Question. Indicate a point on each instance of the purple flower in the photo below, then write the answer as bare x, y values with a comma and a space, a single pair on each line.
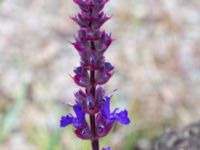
105, 118
89, 104
70, 119
79, 122
106, 148
122, 116
104, 74
81, 77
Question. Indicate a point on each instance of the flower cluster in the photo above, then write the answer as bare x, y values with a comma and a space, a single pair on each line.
91, 43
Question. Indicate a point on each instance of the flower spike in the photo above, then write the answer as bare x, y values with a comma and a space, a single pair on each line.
94, 71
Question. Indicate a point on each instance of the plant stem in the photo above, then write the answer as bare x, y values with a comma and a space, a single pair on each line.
94, 140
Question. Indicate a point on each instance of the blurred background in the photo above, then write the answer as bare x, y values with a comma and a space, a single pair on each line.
156, 54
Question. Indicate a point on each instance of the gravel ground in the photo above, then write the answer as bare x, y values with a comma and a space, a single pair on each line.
186, 138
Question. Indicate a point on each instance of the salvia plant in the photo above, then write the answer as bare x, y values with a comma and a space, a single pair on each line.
91, 43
